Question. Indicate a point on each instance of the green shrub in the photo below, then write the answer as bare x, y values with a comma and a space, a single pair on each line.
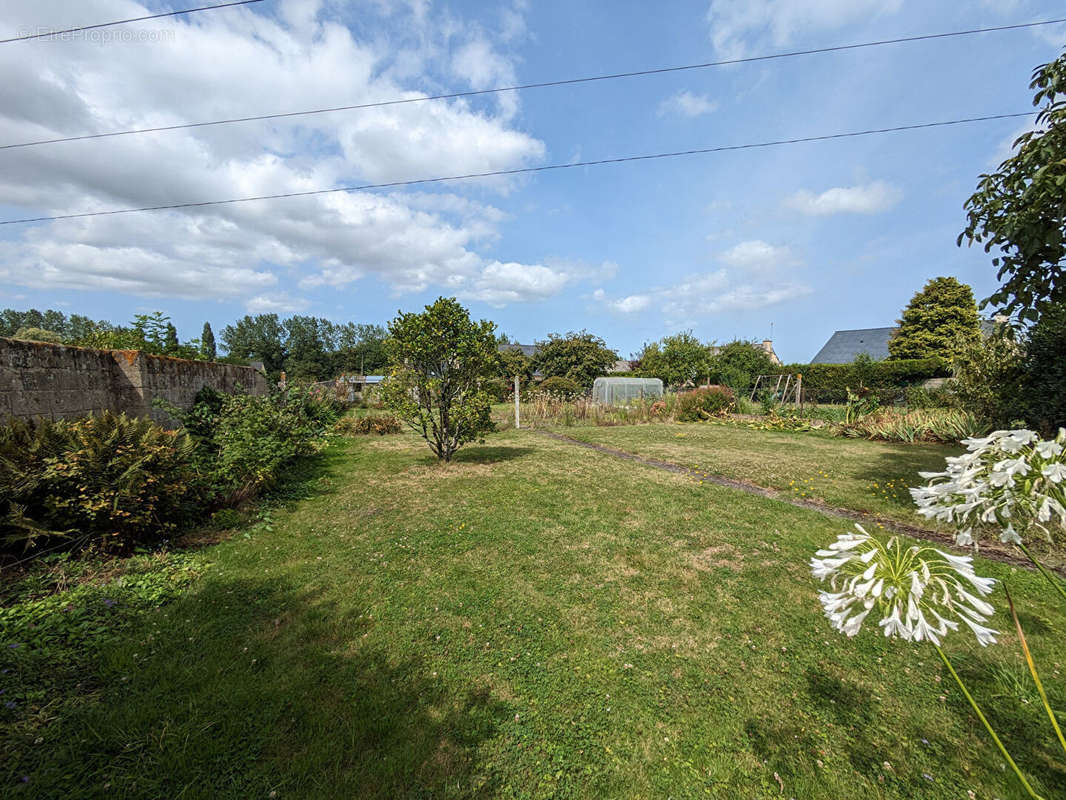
498, 388
559, 386
109, 479
921, 397
242, 441
828, 383
255, 436
381, 424
988, 378
1043, 386
704, 403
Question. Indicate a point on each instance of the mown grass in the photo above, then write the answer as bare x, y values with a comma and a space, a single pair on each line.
857, 474
533, 620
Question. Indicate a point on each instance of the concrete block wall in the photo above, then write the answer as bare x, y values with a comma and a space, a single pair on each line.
38, 379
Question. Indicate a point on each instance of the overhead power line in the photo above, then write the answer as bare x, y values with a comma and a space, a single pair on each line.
538, 85
51, 33
522, 170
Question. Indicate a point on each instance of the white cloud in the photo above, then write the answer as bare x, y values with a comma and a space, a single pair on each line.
758, 256
687, 104
631, 304
753, 278
871, 198
736, 25
281, 303
502, 283
701, 295
238, 62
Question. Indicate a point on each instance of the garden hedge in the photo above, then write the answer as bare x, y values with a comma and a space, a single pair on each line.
828, 383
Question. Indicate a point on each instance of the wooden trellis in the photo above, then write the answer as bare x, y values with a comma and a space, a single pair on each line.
785, 388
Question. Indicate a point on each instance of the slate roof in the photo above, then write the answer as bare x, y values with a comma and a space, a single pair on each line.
528, 350
843, 346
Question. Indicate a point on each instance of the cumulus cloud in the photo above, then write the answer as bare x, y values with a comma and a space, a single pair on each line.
698, 296
756, 275
280, 303
758, 256
229, 64
687, 104
737, 25
502, 283
630, 304
871, 198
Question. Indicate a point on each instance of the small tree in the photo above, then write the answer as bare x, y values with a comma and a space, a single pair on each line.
738, 363
1020, 210
207, 343
676, 359
939, 319
439, 360
582, 357
170, 341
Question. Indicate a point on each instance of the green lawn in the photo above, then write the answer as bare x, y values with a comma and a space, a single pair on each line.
535, 620
856, 474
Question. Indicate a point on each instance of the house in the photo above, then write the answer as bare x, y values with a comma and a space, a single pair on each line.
528, 350
844, 346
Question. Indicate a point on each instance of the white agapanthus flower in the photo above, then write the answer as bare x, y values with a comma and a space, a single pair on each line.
919, 592
1009, 481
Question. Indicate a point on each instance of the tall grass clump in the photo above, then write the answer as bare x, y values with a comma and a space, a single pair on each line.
942, 425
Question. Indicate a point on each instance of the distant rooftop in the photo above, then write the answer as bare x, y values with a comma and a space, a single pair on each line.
844, 346
528, 350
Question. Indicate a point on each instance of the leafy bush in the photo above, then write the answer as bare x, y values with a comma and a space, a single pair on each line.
828, 383
988, 378
242, 441
558, 386
943, 425
253, 437
704, 403
921, 397
1043, 387
38, 335
380, 424
110, 479
499, 389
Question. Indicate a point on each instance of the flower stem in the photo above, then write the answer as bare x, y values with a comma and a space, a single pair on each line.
988, 727
1044, 571
1032, 670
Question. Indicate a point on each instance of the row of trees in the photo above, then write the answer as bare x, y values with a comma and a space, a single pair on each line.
304, 347
307, 347
153, 333
682, 359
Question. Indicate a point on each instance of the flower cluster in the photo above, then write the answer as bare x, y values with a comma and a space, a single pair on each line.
1008, 480
920, 593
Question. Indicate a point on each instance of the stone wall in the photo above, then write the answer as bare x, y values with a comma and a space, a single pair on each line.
54, 381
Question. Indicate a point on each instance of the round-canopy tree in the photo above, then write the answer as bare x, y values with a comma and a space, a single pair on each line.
439, 360
1020, 210
582, 357
676, 359
938, 321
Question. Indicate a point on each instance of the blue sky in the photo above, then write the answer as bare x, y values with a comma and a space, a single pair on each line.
808, 238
